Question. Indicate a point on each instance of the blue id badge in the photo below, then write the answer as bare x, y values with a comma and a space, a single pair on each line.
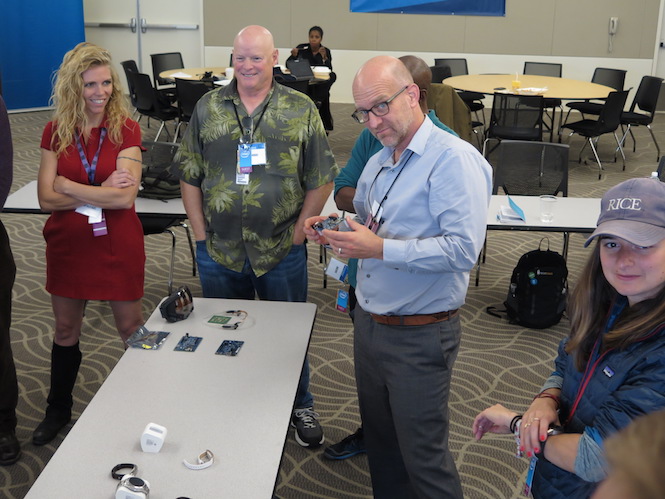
244, 158
342, 301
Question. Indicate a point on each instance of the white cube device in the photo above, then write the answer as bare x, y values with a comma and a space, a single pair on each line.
153, 437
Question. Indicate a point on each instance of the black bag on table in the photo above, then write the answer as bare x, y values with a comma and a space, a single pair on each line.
538, 290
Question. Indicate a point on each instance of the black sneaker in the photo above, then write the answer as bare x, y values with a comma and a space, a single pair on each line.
348, 447
308, 430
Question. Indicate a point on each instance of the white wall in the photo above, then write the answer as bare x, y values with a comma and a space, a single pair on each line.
347, 62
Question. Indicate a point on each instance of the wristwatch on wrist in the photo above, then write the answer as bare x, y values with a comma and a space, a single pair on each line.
554, 430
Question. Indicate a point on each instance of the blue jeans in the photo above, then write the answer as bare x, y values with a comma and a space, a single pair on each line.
285, 282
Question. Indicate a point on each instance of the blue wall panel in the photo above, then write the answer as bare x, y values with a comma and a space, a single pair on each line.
449, 7
34, 36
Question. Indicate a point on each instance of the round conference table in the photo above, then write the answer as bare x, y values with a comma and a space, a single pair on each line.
554, 88
193, 73
550, 87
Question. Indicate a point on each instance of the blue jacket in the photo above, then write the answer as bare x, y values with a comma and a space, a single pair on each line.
624, 385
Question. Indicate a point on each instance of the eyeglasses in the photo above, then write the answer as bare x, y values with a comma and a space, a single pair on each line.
380, 109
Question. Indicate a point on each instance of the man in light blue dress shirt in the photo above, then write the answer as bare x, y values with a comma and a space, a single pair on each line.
423, 199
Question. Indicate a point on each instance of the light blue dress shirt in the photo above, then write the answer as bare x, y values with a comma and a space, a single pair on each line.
434, 223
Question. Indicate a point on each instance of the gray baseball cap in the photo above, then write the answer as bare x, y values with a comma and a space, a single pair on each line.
633, 210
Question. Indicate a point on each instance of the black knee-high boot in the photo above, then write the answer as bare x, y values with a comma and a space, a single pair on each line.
65, 362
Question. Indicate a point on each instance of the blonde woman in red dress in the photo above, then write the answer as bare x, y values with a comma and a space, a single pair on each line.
88, 179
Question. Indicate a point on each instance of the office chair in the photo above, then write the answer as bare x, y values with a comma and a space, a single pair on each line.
440, 73
645, 100
165, 62
458, 66
159, 155
546, 69
515, 117
530, 168
608, 122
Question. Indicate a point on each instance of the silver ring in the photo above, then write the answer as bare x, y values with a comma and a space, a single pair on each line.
339, 251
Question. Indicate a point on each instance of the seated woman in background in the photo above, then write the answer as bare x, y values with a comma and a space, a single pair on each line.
611, 369
318, 55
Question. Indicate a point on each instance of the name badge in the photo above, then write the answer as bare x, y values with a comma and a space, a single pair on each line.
94, 213
242, 178
337, 270
259, 154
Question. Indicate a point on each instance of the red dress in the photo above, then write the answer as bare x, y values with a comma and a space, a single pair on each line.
78, 264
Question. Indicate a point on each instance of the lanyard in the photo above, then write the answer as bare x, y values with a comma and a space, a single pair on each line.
90, 169
369, 192
591, 364
255, 127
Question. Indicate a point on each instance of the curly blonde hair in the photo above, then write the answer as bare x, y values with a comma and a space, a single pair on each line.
70, 117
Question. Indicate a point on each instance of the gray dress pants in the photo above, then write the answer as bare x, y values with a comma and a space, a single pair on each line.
403, 377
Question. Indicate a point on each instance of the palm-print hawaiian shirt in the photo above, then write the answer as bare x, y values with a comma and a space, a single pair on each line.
256, 220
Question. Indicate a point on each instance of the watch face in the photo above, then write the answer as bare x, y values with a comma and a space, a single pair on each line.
136, 481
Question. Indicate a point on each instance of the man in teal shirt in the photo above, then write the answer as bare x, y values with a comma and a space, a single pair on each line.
366, 146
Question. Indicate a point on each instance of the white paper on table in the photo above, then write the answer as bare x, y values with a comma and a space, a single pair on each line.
512, 214
180, 74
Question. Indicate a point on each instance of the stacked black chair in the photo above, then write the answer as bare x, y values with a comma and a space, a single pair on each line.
149, 102
130, 66
189, 92
608, 122
613, 78
645, 100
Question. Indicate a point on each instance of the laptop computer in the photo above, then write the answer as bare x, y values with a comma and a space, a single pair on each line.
300, 68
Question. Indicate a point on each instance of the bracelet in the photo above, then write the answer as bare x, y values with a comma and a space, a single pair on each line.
545, 395
122, 466
513, 422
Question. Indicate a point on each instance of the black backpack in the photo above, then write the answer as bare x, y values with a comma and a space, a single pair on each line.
157, 182
538, 290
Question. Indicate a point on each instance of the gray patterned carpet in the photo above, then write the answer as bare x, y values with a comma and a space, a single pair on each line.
497, 361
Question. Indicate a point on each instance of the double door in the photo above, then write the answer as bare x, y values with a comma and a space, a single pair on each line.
134, 29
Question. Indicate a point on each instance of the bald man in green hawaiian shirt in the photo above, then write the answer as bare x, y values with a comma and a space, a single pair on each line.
254, 164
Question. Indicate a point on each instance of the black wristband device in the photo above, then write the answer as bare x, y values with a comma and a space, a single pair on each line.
123, 466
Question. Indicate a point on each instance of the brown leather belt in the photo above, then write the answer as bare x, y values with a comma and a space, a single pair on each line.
414, 320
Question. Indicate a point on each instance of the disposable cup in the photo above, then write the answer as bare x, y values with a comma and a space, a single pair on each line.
547, 208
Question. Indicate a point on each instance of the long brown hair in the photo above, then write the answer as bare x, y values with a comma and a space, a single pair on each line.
70, 117
589, 307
